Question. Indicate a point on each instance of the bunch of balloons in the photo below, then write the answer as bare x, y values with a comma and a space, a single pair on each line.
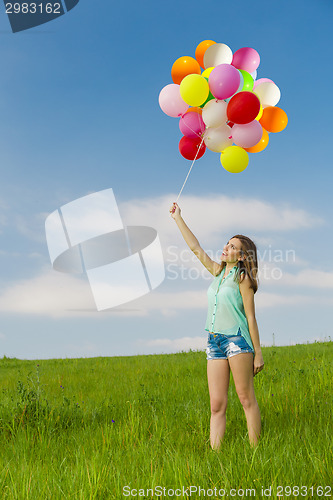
224, 107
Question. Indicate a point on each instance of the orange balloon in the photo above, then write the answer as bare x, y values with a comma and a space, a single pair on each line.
195, 110
201, 49
261, 144
184, 66
274, 119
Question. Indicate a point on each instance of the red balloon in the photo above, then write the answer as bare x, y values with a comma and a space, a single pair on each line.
243, 107
189, 148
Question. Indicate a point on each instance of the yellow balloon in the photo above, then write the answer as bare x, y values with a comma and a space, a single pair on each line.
260, 112
234, 159
194, 89
207, 72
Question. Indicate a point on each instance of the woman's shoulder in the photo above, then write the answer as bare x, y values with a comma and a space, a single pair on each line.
243, 277
219, 270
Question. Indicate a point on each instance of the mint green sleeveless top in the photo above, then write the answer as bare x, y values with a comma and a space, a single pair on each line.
226, 312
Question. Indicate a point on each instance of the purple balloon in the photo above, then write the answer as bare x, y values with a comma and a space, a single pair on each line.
192, 125
171, 101
224, 81
261, 80
247, 135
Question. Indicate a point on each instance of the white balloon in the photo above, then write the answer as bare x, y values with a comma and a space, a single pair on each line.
218, 138
254, 74
218, 53
214, 113
269, 94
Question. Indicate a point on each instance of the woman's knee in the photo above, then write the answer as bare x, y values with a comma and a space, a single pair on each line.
218, 406
247, 400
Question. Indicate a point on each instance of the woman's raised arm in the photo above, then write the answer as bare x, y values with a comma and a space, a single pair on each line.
213, 267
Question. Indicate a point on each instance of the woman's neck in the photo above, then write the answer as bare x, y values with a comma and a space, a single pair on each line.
228, 268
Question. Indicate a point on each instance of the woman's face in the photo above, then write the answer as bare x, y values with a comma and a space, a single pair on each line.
232, 251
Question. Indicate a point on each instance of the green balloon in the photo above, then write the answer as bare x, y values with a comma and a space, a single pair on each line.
248, 81
209, 98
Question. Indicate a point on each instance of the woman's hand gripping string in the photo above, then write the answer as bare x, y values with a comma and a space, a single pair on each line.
174, 210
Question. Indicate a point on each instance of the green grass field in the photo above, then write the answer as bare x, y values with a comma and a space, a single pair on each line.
112, 428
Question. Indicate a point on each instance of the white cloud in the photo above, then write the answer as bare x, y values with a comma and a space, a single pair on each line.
221, 211
55, 294
51, 294
305, 279
213, 216
266, 300
61, 295
170, 303
309, 278
176, 345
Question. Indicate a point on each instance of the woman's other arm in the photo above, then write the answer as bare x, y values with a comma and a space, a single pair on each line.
247, 294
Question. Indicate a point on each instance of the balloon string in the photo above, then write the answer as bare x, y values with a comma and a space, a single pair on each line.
196, 133
180, 192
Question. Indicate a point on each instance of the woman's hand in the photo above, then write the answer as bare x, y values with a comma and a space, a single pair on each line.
174, 210
258, 363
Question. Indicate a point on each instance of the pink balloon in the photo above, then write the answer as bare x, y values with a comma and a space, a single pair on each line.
247, 135
192, 125
261, 80
224, 81
171, 102
246, 58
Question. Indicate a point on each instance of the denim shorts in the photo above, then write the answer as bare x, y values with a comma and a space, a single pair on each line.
221, 346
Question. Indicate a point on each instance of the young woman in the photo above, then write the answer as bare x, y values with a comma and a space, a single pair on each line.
233, 336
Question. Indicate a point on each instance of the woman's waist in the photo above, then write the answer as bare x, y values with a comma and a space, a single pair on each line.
235, 333
239, 328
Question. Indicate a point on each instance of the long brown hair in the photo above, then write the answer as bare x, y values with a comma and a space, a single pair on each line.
249, 263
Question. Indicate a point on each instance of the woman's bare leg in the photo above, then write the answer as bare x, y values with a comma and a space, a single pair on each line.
241, 366
218, 375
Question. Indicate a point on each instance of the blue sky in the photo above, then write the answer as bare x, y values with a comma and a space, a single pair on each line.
79, 113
